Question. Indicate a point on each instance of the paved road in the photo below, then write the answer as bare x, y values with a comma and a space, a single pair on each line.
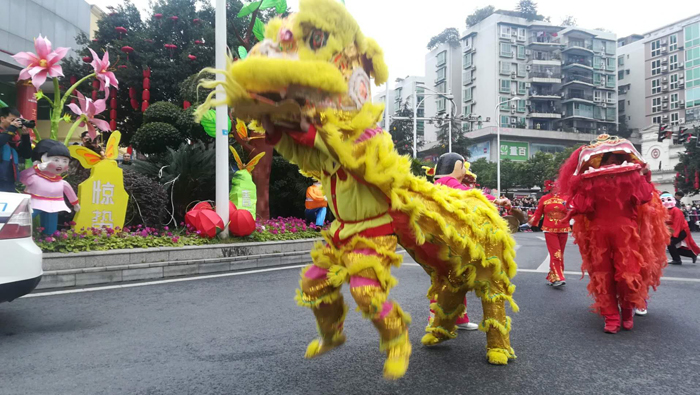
243, 334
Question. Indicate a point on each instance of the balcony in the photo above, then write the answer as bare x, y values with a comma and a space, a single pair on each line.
578, 96
579, 113
544, 94
539, 56
578, 47
544, 112
544, 42
578, 79
581, 62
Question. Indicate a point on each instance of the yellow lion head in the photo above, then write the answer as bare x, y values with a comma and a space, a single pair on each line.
313, 62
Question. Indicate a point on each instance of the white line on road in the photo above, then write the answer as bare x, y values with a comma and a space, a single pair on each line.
517, 247
177, 280
544, 266
541, 238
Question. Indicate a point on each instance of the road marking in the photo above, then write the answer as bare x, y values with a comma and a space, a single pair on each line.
174, 280
541, 238
177, 280
517, 247
544, 266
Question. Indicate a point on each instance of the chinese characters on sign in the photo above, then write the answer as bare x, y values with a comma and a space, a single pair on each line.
104, 198
102, 194
516, 151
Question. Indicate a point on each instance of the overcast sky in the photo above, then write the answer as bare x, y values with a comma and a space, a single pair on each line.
404, 27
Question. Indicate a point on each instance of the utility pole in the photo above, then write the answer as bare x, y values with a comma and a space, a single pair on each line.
222, 181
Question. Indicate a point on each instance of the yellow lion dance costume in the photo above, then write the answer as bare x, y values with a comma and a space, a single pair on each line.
316, 65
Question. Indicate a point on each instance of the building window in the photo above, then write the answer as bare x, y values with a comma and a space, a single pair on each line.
505, 86
611, 64
521, 88
504, 102
620, 61
440, 87
673, 62
521, 106
467, 60
656, 67
692, 57
674, 119
656, 104
467, 110
672, 42
620, 74
467, 94
598, 62
597, 96
467, 77
674, 101
521, 35
656, 119
673, 82
521, 69
610, 97
656, 48
505, 121
504, 68
521, 52
692, 35
505, 31
655, 86
440, 103
440, 74
610, 83
506, 50
441, 58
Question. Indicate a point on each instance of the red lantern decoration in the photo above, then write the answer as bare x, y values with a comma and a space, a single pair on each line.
174, 18
148, 40
122, 66
95, 87
87, 59
199, 42
196, 21
95, 40
170, 47
203, 218
186, 105
191, 57
146, 96
121, 30
157, 16
242, 223
113, 111
696, 184
132, 98
127, 49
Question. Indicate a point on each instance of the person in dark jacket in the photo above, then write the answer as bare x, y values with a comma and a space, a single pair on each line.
12, 148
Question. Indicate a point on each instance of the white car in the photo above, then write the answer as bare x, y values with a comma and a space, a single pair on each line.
20, 258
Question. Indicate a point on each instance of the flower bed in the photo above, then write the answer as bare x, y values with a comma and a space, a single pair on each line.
69, 240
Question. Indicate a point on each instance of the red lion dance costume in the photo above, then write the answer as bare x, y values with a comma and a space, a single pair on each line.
619, 226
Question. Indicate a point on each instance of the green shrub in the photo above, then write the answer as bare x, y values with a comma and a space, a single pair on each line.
190, 129
162, 111
156, 137
287, 189
148, 200
190, 91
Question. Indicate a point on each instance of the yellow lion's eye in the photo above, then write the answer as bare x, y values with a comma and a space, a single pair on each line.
317, 39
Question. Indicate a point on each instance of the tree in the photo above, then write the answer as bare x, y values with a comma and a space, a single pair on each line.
447, 36
528, 10
569, 20
479, 15
485, 172
460, 143
688, 170
402, 131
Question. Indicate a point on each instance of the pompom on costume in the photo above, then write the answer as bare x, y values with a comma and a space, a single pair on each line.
316, 64
556, 231
619, 225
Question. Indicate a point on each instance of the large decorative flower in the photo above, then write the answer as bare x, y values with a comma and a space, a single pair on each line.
87, 112
102, 72
42, 64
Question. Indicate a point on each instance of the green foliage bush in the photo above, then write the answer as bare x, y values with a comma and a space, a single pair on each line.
148, 200
162, 112
191, 129
156, 137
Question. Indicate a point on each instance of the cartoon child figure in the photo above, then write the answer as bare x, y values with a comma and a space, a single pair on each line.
46, 186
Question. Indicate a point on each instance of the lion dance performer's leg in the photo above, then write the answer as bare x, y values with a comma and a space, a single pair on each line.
447, 303
324, 299
494, 294
368, 263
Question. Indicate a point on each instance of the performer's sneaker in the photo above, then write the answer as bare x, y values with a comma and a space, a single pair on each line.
468, 326
612, 323
675, 263
319, 347
641, 312
628, 319
558, 284
695, 258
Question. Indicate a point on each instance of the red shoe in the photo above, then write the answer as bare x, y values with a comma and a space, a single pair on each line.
628, 319
612, 323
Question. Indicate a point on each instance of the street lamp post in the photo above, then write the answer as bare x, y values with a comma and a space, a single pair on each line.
498, 143
222, 180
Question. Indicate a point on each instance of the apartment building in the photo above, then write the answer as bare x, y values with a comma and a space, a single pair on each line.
670, 65
401, 96
443, 74
532, 77
631, 79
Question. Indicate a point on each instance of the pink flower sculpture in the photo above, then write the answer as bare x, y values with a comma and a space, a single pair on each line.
87, 112
42, 64
102, 72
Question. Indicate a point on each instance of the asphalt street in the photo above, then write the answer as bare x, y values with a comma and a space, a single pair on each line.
244, 334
